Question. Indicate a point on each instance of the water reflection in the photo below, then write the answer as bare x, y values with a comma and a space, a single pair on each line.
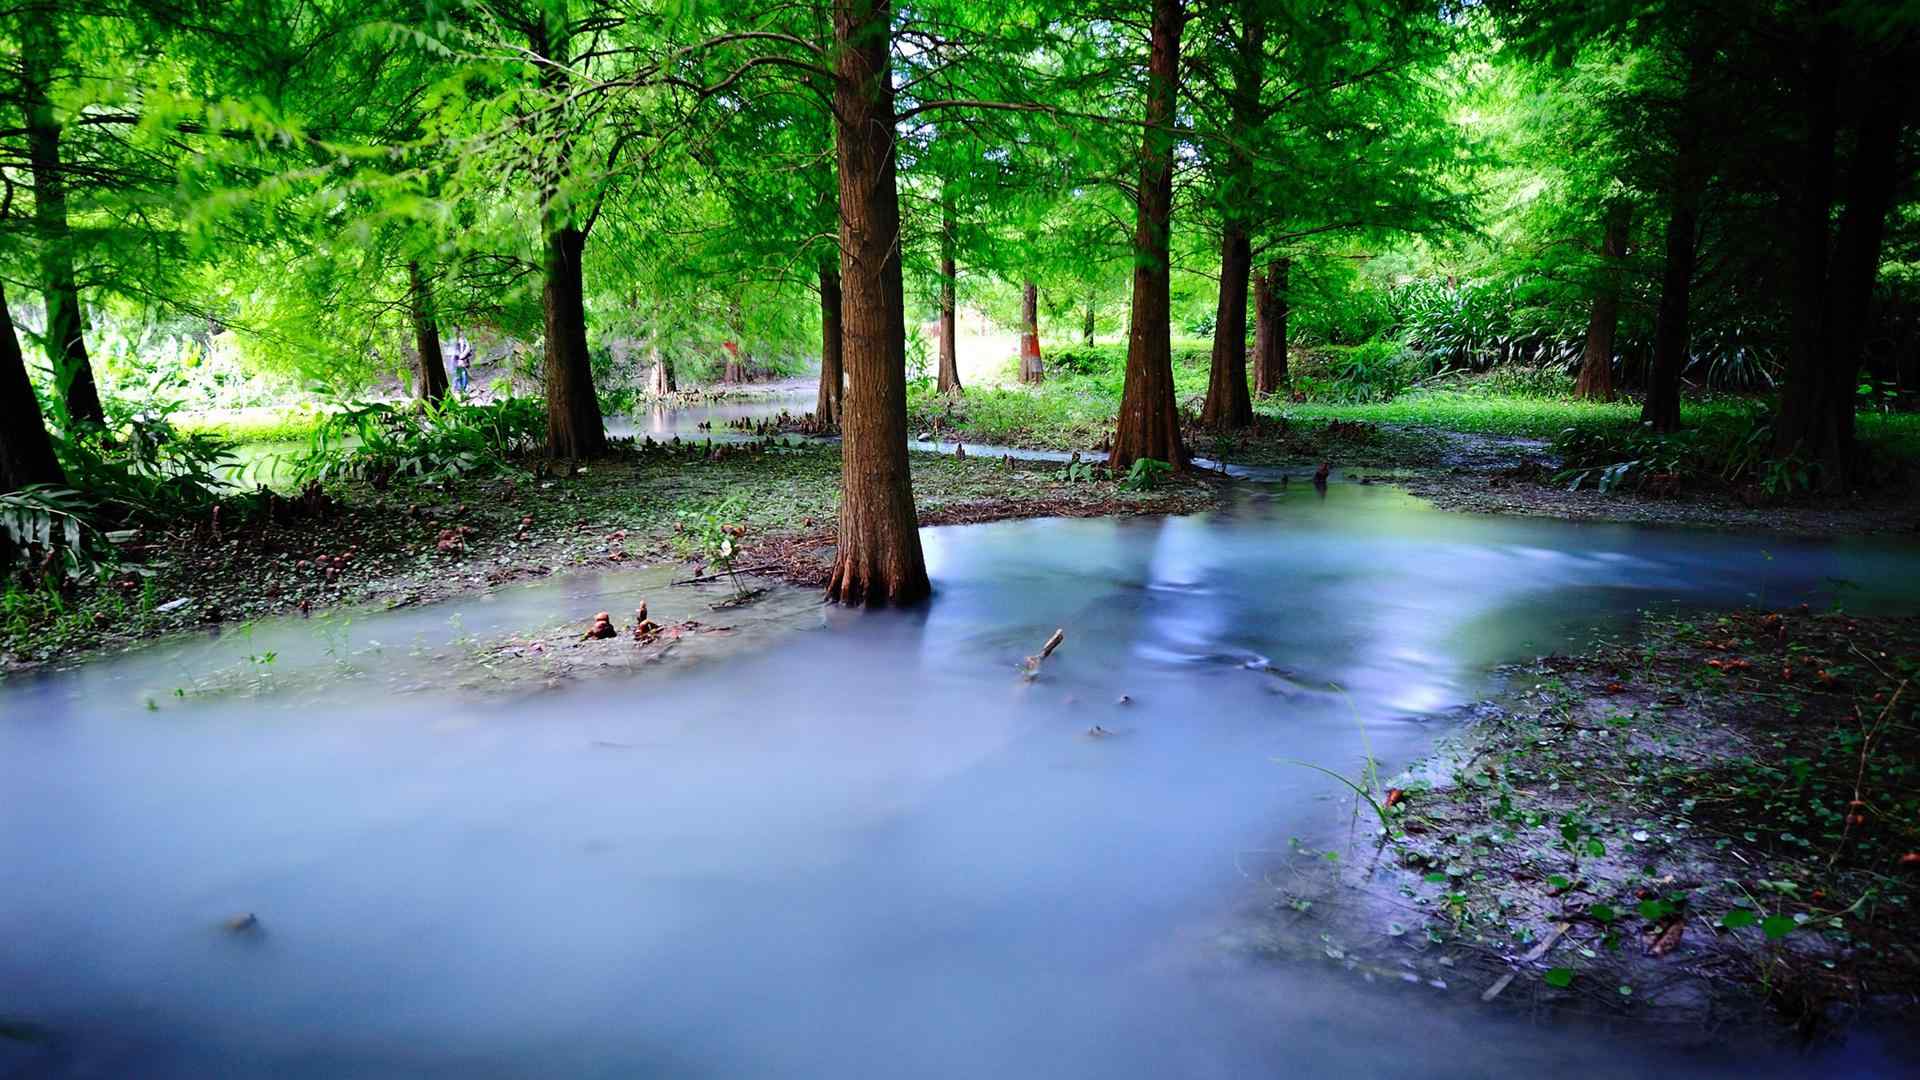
869, 849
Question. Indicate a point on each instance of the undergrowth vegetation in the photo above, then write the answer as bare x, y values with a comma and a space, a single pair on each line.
379, 441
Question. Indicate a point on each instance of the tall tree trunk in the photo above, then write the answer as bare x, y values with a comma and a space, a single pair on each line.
949, 380
736, 369
660, 378
827, 406
430, 376
26, 453
1596, 360
1270, 329
1149, 421
878, 558
1086, 329
1834, 275
40, 55
1228, 405
1032, 368
575, 428
1804, 425
1671, 335
1872, 178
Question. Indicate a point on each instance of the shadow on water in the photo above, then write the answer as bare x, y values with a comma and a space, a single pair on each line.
870, 850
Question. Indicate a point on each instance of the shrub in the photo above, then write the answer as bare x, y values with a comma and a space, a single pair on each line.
1377, 371
1528, 381
1733, 449
378, 441
141, 468
1146, 474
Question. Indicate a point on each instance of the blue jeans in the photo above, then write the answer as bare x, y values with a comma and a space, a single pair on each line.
460, 377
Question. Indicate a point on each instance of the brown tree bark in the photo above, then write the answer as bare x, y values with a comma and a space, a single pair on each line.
827, 406
41, 53
1032, 368
736, 367
1834, 295
1804, 411
1149, 421
1228, 406
660, 381
26, 453
1270, 329
1596, 359
430, 373
1671, 334
1086, 329
949, 377
575, 428
878, 559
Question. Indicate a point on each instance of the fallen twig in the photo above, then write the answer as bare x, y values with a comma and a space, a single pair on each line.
1033, 662
1536, 953
724, 573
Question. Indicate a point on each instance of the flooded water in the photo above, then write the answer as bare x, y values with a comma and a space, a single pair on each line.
662, 423
863, 848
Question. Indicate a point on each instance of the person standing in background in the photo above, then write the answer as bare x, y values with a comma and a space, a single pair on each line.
462, 360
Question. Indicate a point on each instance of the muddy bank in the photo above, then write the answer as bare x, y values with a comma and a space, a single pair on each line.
352, 544
1710, 822
1525, 488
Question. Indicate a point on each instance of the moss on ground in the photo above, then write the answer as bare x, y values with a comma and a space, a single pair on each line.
1708, 820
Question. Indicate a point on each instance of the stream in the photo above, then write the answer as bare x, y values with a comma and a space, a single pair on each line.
863, 847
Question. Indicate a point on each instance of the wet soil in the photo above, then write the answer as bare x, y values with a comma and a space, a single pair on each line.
353, 544
1704, 824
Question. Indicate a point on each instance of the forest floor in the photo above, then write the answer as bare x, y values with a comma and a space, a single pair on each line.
353, 544
1702, 824
409, 544
1473, 457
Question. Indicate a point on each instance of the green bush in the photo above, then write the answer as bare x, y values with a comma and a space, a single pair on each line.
139, 469
1376, 371
378, 441
1731, 449
1528, 381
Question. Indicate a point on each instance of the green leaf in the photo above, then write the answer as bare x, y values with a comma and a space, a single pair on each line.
1559, 978
1737, 918
1603, 913
1777, 926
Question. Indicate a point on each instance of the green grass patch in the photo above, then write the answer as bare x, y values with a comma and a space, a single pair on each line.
291, 424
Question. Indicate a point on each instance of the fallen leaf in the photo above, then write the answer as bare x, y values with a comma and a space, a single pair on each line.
1666, 939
